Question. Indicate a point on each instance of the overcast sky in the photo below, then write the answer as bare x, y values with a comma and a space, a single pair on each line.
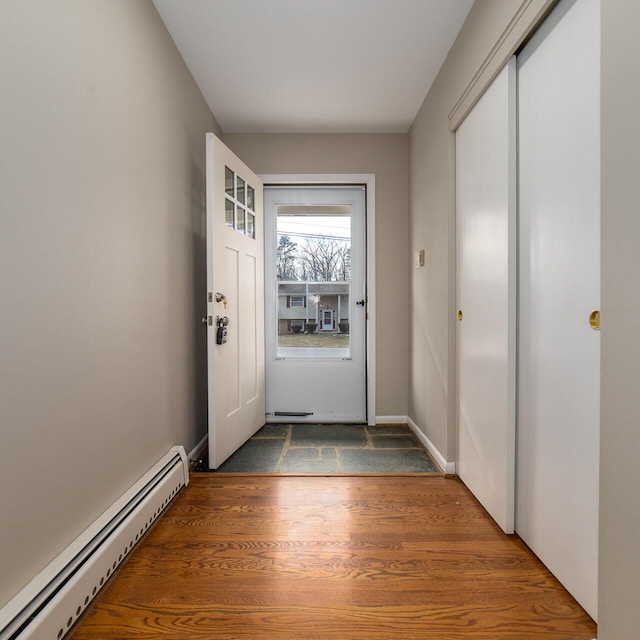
297, 227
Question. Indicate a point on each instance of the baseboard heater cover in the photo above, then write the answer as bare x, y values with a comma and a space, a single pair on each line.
52, 602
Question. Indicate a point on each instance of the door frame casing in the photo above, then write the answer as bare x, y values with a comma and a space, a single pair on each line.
369, 181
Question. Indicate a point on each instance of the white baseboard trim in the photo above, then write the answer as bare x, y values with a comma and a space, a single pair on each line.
391, 419
52, 602
196, 453
448, 467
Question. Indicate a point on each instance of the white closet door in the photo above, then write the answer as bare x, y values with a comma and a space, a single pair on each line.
486, 243
559, 287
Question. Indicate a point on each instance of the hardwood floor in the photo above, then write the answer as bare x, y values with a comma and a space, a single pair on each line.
328, 558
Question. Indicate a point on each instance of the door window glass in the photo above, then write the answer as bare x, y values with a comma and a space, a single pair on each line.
229, 213
240, 190
251, 225
313, 281
239, 204
229, 182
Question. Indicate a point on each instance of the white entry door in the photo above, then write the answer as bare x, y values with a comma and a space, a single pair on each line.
486, 253
559, 278
315, 304
328, 320
235, 305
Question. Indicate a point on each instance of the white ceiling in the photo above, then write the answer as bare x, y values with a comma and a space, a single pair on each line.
314, 66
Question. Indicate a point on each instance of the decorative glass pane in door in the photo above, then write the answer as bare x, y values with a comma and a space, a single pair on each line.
251, 225
313, 273
240, 213
229, 182
240, 199
240, 190
229, 213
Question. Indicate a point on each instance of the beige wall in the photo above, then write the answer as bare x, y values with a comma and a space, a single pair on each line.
101, 264
619, 591
431, 227
386, 156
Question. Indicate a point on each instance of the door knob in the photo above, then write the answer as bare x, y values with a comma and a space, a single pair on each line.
594, 320
460, 316
360, 303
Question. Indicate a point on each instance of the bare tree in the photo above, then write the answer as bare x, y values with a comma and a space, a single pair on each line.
344, 264
324, 260
318, 260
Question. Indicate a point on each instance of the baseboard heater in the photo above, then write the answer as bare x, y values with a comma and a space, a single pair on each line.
50, 604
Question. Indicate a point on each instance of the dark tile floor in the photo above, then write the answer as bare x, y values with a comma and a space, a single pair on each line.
328, 448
